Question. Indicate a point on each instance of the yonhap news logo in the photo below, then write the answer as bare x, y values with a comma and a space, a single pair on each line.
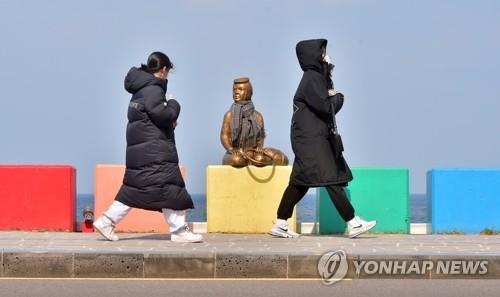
333, 267
407, 267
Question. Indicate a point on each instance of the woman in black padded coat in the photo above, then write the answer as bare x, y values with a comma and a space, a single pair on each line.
153, 180
316, 164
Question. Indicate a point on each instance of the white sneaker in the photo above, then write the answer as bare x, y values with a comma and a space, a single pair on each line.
282, 229
358, 226
105, 227
185, 235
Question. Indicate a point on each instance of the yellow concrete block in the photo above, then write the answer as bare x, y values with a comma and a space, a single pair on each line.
245, 200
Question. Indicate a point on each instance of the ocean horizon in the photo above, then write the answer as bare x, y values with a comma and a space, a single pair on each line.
306, 208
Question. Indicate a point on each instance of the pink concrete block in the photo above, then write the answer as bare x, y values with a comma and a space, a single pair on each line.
108, 179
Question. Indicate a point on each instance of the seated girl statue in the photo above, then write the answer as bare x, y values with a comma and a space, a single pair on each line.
242, 133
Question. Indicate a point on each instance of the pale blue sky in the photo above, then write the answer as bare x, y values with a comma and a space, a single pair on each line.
420, 77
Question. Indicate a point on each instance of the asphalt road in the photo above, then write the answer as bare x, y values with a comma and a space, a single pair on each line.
241, 288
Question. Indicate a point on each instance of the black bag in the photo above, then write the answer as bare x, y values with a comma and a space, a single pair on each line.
334, 136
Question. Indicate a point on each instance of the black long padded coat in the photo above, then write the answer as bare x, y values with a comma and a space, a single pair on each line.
152, 179
315, 162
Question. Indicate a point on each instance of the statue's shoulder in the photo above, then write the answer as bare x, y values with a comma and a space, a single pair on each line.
227, 115
259, 117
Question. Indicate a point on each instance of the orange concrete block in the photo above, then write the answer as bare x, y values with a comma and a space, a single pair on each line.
108, 179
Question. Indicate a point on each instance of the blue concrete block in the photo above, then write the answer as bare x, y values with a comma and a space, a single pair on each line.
464, 199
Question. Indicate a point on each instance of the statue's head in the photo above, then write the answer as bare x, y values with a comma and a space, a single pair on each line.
242, 89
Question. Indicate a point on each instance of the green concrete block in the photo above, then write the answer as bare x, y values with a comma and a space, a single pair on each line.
376, 193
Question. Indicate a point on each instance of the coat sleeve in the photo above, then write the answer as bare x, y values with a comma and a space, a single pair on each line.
316, 98
337, 100
162, 113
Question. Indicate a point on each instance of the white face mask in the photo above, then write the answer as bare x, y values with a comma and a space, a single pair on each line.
327, 59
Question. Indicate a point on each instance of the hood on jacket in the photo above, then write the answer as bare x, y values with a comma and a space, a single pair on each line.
309, 53
137, 79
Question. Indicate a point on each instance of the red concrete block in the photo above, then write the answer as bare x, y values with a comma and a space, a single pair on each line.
108, 179
37, 197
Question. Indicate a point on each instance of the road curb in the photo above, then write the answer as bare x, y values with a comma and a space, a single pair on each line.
237, 265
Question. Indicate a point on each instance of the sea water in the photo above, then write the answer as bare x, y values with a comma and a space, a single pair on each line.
306, 209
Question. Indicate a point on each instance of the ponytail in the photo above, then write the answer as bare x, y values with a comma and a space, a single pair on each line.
156, 62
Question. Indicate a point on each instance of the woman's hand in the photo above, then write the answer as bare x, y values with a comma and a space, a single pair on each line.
337, 100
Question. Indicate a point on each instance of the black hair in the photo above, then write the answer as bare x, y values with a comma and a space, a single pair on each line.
156, 62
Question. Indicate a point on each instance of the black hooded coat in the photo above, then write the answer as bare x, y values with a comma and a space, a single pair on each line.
315, 162
152, 179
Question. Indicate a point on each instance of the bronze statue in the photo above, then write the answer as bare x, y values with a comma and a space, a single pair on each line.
242, 133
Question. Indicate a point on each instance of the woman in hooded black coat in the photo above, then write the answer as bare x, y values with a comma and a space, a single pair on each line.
152, 179
316, 164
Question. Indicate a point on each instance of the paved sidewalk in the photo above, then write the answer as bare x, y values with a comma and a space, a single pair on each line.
370, 244
48, 254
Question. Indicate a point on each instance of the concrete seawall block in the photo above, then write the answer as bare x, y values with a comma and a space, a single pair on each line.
464, 199
108, 180
37, 197
380, 194
245, 200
